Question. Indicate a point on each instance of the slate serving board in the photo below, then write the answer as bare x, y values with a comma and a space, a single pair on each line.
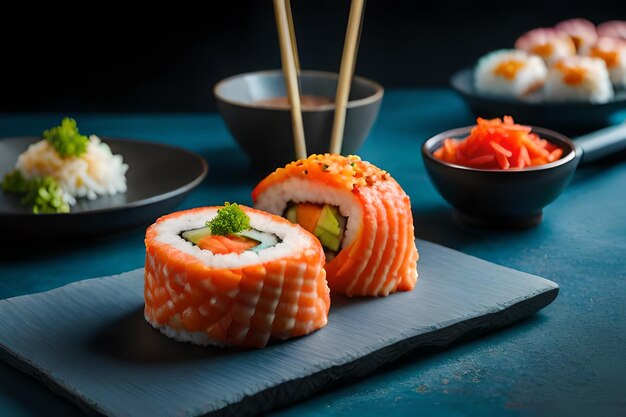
88, 341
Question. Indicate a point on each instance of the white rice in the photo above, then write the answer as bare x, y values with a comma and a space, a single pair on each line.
294, 239
197, 338
617, 69
527, 79
274, 200
595, 86
96, 173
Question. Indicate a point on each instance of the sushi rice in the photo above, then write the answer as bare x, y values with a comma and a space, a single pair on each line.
613, 52
509, 73
579, 78
96, 173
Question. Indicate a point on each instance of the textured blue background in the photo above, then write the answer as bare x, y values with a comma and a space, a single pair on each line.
567, 360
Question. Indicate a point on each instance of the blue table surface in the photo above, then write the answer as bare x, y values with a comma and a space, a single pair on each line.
569, 359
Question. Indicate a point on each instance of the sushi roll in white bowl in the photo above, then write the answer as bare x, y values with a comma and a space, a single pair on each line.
579, 79
509, 73
613, 52
550, 44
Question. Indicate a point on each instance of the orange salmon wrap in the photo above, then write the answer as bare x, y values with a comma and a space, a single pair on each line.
377, 255
243, 299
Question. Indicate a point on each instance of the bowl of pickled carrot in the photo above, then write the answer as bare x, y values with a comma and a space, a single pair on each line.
498, 172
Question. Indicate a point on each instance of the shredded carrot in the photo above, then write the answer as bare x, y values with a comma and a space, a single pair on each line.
499, 144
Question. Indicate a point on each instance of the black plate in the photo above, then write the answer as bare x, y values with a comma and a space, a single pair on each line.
569, 118
159, 177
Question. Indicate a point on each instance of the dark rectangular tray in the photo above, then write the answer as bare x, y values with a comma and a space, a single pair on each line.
90, 343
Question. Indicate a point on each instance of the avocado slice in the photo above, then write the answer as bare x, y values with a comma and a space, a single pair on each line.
329, 220
196, 234
266, 240
328, 240
330, 226
329, 229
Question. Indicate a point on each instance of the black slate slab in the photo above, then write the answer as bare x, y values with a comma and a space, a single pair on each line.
89, 342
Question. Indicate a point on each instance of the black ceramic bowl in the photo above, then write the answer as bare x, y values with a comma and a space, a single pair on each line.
572, 118
500, 198
265, 133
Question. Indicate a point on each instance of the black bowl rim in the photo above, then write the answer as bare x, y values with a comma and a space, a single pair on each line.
463, 131
616, 101
376, 96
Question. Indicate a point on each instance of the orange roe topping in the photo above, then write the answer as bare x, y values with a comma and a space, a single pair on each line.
544, 50
508, 69
498, 144
611, 58
572, 75
347, 172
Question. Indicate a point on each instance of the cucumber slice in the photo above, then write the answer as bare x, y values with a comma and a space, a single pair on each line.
266, 240
291, 214
195, 235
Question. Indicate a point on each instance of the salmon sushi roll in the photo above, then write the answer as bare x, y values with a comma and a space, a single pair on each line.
360, 214
233, 276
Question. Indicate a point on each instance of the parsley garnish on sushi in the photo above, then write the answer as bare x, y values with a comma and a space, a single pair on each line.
229, 220
230, 232
66, 139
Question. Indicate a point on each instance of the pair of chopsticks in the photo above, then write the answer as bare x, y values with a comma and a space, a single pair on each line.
291, 69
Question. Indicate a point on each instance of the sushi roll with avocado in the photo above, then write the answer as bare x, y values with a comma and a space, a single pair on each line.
233, 276
509, 73
550, 44
359, 213
613, 52
581, 31
579, 78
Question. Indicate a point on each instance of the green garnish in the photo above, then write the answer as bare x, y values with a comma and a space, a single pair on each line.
14, 182
66, 139
229, 220
43, 194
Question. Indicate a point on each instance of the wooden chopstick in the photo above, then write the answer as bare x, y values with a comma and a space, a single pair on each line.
346, 72
292, 35
287, 53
